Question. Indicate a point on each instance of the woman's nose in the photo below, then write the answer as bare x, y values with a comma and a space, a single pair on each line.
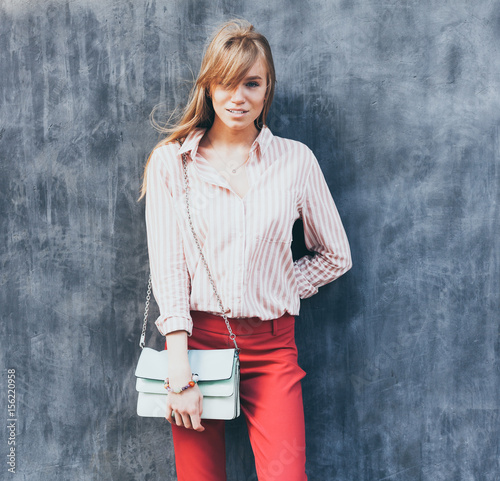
237, 95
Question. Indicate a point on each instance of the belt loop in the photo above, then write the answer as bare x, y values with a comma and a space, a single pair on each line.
275, 327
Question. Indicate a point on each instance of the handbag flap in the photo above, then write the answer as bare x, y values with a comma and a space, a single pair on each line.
210, 365
222, 388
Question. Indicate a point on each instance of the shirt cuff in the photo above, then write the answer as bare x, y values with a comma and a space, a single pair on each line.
306, 289
166, 325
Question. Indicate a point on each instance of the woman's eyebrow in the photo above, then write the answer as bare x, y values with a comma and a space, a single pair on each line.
254, 77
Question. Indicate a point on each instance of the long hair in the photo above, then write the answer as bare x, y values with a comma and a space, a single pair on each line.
232, 51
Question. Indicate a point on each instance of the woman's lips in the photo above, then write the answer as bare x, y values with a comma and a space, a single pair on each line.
237, 112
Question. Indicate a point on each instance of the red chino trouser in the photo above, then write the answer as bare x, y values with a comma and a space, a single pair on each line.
271, 401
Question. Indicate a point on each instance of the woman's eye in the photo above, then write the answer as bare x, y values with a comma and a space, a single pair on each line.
253, 84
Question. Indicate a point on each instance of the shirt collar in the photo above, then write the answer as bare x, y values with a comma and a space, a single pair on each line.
192, 141
263, 140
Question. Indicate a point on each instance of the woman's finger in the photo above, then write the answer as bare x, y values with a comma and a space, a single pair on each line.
201, 405
196, 423
196, 418
178, 419
186, 419
169, 414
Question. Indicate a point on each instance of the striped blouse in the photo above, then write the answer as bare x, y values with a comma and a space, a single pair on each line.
246, 241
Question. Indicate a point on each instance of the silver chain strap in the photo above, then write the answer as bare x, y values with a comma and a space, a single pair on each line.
142, 342
232, 336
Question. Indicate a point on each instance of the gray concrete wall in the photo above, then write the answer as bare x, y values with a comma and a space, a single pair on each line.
400, 102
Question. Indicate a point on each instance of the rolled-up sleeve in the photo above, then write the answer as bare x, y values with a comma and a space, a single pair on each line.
324, 235
169, 273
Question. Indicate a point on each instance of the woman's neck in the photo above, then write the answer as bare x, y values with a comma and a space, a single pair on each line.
219, 133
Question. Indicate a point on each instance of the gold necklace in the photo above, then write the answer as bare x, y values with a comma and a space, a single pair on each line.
233, 171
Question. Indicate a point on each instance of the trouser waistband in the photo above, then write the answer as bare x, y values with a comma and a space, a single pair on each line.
241, 326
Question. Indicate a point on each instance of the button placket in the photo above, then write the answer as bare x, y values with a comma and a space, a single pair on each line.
240, 229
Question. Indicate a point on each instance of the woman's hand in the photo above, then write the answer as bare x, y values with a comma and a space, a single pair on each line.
185, 408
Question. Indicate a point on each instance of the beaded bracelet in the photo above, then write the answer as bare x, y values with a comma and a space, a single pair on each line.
194, 380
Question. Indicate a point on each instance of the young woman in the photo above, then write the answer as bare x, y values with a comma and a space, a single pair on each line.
247, 188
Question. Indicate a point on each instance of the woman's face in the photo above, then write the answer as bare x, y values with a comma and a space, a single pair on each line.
238, 109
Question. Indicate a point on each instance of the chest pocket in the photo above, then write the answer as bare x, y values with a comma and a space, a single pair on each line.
274, 217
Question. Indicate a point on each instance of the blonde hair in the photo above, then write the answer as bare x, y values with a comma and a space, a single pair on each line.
232, 51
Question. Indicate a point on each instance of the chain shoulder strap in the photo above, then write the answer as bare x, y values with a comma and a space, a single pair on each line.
142, 342
232, 336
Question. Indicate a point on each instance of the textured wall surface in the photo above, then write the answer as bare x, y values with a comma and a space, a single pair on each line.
400, 102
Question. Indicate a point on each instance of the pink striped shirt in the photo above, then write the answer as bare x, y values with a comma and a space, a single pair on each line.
246, 241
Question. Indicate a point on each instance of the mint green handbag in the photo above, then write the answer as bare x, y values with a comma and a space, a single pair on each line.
218, 373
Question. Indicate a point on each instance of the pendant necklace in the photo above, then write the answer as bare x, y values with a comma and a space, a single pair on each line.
233, 171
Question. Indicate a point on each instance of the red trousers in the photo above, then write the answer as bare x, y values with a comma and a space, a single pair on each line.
271, 401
